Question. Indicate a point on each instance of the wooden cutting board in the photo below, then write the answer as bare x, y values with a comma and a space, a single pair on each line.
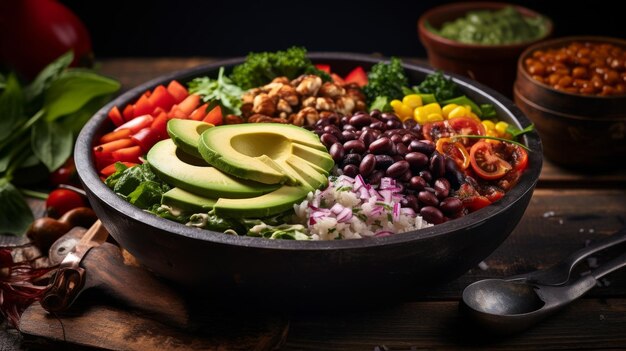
111, 327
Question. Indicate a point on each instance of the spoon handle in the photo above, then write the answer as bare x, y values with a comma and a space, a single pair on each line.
559, 274
610, 266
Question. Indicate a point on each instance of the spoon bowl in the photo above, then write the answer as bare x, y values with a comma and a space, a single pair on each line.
502, 297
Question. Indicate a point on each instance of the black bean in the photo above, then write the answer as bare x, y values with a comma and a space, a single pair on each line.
432, 215
328, 140
336, 152
348, 135
351, 170
352, 159
375, 177
442, 188
360, 120
417, 183
437, 165
377, 125
381, 146
394, 124
397, 169
401, 149
375, 113
383, 161
422, 146
367, 138
426, 175
417, 160
453, 174
356, 146
451, 205
427, 198
368, 164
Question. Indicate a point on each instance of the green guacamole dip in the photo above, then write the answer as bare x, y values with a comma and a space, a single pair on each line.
501, 27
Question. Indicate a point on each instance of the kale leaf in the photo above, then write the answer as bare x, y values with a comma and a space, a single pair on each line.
386, 79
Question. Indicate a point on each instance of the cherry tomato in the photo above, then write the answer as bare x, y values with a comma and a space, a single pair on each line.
520, 158
471, 199
434, 130
33, 33
66, 174
487, 164
466, 126
492, 193
454, 150
63, 200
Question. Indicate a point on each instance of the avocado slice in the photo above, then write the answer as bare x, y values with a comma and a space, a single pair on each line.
259, 151
186, 201
202, 180
269, 204
185, 134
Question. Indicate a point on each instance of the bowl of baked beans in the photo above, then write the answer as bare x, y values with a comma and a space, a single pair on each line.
574, 90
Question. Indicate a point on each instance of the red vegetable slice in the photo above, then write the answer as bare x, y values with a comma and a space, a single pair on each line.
115, 135
113, 145
215, 116
190, 103
178, 92
162, 98
454, 150
110, 169
323, 67
129, 112
143, 106
357, 76
116, 116
137, 123
129, 154
199, 113
487, 164
160, 125
146, 138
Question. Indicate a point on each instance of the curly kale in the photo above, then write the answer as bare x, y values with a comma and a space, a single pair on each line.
260, 68
386, 79
443, 88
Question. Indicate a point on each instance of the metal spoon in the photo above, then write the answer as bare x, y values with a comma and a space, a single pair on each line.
514, 304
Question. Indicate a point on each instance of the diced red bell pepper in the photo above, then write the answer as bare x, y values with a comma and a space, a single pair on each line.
143, 106
190, 103
178, 91
129, 112
160, 125
137, 123
323, 67
147, 93
116, 116
129, 154
175, 112
157, 111
215, 116
115, 135
357, 76
146, 138
199, 113
110, 169
162, 98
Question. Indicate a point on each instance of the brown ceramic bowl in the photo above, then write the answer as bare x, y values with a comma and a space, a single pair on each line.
493, 65
577, 131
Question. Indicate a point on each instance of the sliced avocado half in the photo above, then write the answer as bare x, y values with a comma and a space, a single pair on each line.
269, 204
198, 179
186, 201
260, 151
186, 134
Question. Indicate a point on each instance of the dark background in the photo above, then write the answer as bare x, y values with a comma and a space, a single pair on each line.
234, 28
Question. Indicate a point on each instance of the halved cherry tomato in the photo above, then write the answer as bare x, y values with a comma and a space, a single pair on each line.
493, 193
162, 98
215, 116
110, 169
357, 76
116, 116
177, 90
434, 130
466, 126
136, 124
487, 164
129, 154
323, 67
454, 150
63, 200
129, 112
199, 113
471, 199
146, 138
520, 158
115, 135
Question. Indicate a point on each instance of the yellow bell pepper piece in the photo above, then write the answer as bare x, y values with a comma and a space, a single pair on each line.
445, 111
501, 127
459, 111
412, 101
434, 117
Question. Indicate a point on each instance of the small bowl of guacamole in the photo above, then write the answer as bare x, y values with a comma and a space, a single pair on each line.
481, 40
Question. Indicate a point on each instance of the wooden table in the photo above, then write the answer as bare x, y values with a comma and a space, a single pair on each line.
567, 211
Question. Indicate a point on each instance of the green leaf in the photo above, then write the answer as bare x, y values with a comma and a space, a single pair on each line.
50, 73
515, 132
11, 107
73, 90
51, 143
15, 215
75, 121
462, 101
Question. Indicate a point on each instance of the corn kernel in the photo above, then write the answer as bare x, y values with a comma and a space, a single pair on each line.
489, 125
459, 111
412, 100
501, 127
434, 117
445, 111
419, 115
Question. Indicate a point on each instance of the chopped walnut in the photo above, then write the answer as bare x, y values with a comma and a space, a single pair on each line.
309, 85
331, 90
289, 94
345, 105
309, 114
264, 104
309, 102
284, 106
324, 103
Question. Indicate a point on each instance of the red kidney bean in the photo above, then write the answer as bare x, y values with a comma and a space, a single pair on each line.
383, 161
437, 165
347, 135
451, 205
397, 169
388, 116
377, 125
401, 149
322, 122
393, 124
406, 176
352, 159
351, 170
356, 146
348, 127
328, 140
427, 198
381, 146
417, 183
368, 164
367, 137
396, 138
360, 120
331, 129
334, 119
417, 160
411, 201
442, 188
375, 177
422, 146
375, 113
409, 123
391, 132
426, 175
397, 158
453, 174
408, 138
336, 152
432, 215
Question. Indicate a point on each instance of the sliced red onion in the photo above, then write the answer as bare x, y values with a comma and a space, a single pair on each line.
345, 215
407, 211
337, 208
363, 194
382, 233
376, 210
396, 212
386, 194
312, 221
387, 183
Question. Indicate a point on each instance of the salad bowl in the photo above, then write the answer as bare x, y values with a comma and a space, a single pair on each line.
321, 270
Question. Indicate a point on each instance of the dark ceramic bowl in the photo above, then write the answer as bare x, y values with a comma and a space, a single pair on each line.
493, 65
324, 270
578, 131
